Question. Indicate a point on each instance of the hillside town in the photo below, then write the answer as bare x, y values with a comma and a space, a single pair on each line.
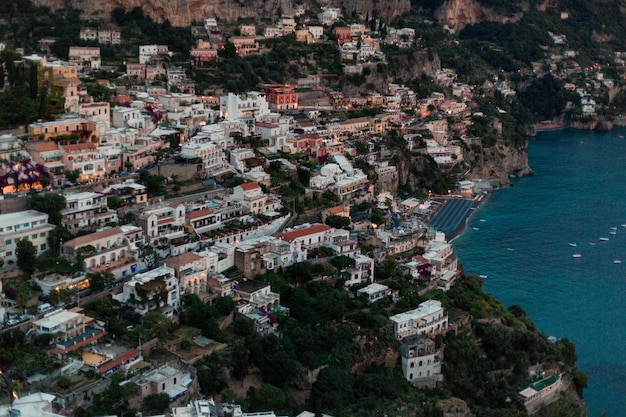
164, 194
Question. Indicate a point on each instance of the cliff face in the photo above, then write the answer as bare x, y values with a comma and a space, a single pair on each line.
184, 12
459, 13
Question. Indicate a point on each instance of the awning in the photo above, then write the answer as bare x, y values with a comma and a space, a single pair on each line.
54, 164
176, 392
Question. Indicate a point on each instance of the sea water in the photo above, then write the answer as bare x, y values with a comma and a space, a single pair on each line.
523, 240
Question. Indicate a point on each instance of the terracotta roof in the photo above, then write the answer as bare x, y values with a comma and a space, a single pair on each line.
79, 147
198, 213
248, 186
268, 125
182, 259
119, 360
421, 259
44, 146
355, 120
294, 234
88, 239
336, 209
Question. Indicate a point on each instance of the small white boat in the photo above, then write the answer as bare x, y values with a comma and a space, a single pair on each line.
612, 232
476, 228
617, 261
572, 245
482, 220
483, 276
576, 255
623, 224
604, 239
614, 228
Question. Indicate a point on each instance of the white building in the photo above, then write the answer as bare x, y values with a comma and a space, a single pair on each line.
421, 363
29, 225
147, 52
429, 319
375, 292
165, 220
85, 57
329, 16
249, 107
341, 178
238, 158
86, 210
150, 290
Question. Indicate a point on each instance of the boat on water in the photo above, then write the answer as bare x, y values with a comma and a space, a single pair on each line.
577, 255
623, 224
572, 245
612, 232
483, 276
482, 220
613, 228
617, 261
476, 228
604, 239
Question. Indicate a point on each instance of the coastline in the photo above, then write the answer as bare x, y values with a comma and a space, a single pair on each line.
478, 202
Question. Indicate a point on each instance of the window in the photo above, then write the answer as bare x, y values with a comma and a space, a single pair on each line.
34, 236
9, 253
412, 364
42, 234
42, 247
7, 242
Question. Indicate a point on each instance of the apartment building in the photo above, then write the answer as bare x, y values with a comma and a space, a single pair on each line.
24, 225
86, 211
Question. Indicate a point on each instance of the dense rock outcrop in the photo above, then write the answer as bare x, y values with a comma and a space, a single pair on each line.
185, 12
457, 14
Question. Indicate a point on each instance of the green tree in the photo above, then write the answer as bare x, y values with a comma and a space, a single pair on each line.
33, 81
56, 238
49, 203
72, 176
156, 403
115, 202
225, 305
26, 254
98, 281
338, 222
269, 397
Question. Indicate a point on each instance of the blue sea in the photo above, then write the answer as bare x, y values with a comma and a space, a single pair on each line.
522, 243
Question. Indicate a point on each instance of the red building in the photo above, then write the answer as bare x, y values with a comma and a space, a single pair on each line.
343, 34
282, 97
201, 55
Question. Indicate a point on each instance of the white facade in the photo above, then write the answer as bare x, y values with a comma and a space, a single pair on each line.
429, 318
238, 158
375, 292
30, 225
421, 364
150, 290
86, 210
247, 107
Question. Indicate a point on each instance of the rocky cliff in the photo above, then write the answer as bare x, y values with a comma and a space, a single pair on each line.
459, 13
184, 12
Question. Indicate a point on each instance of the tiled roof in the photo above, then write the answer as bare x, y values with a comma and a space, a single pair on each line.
198, 213
248, 186
294, 234
87, 239
79, 147
182, 259
44, 146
